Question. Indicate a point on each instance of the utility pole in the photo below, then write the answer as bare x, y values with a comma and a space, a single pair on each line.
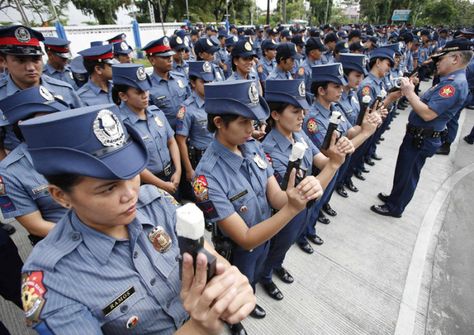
161, 17
283, 10
187, 10
327, 12
268, 12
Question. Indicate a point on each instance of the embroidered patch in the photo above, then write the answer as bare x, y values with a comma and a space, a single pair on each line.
269, 159
312, 126
447, 91
169, 197
6, 205
366, 90
32, 296
181, 113
208, 209
301, 71
201, 191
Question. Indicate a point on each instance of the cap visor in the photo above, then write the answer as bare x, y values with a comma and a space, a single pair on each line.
165, 54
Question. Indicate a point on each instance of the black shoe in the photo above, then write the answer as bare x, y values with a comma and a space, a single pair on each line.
444, 149
369, 161
208, 226
359, 175
382, 139
383, 196
328, 209
258, 312
351, 186
364, 169
377, 142
323, 219
284, 275
237, 329
376, 157
388, 128
469, 139
342, 192
272, 290
470, 107
315, 239
383, 210
8, 228
306, 247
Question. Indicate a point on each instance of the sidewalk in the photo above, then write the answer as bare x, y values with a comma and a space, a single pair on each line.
354, 283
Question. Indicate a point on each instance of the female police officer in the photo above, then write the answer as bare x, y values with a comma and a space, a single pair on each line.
234, 184
288, 104
105, 268
131, 91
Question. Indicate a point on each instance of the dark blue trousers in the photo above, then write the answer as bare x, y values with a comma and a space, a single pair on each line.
250, 263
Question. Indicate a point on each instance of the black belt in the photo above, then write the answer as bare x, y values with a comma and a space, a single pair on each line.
425, 132
167, 171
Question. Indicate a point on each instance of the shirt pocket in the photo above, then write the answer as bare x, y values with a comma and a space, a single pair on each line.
244, 203
115, 314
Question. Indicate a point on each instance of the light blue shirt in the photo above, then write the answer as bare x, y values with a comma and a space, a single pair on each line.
93, 95
65, 75
349, 105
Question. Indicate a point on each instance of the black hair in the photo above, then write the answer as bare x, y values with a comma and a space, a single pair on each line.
315, 85
226, 118
65, 181
116, 89
91, 64
278, 107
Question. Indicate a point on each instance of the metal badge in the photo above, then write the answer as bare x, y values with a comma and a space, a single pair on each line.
166, 42
123, 46
132, 322
206, 67
302, 89
179, 40
260, 162
108, 129
141, 74
45, 93
341, 70
383, 93
159, 123
235, 38
180, 83
209, 42
160, 239
253, 93
22, 34
247, 46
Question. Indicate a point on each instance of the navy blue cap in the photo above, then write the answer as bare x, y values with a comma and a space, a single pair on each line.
117, 38
77, 65
237, 97
354, 62
298, 40
356, 46
177, 43
468, 31
457, 44
122, 48
243, 48
287, 91
205, 45
271, 31
259, 28
21, 41
231, 40
96, 43
129, 74
286, 50
354, 33
374, 39
249, 32
285, 33
425, 32
314, 32
160, 47
383, 53
101, 146
269, 44
181, 33
57, 45
342, 47
202, 70
331, 37
342, 34
315, 43
102, 54
333, 73
222, 33
30, 101
395, 47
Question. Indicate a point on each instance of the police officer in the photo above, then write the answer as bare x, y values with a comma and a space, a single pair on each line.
131, 92
222, 56
330, 41
22, 56
424, 53
287, 102
98, 62
24, 191
314, 56
192, 134
59, 54
229, 46
426, 122
205, 50
122, 51
234, 183
267, 63
179, 47
106, 268
257, 43
168, 88
79, 72
243, 63
285, 58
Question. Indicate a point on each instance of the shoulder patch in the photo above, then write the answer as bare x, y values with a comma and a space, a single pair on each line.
447, 91
181, 113
169, 197
366, 91
6, 204
312, 126
32, 295
301, 71
200, 188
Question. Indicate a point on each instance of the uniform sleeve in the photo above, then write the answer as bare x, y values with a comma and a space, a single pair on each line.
169, 130
183, 121
314, 149
445, 98
14, 198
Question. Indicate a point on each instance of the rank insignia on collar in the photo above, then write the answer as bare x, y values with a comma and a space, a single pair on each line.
160, 239
447, 91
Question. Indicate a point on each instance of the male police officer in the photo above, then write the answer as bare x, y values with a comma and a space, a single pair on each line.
57, 66
426, 123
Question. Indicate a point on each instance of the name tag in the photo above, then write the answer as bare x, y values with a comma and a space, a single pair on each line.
39, 189
118, 301
238, 196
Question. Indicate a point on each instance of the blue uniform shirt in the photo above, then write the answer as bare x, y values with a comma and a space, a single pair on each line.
445, 99
277, 73
424, 53
65, 75
252, 76
91, 283
371, 86
23, 190
181, 68
327, 57
155, 131
349, 105
192, 122
93, 95
278, 147
268, 66
168, 95
306, 72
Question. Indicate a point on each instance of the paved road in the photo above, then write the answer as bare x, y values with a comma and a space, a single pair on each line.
355, 282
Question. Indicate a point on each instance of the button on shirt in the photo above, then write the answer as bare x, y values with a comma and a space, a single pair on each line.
85, 271
24, 190
169, 94
155, 132
445, 99
65, 75
349, 105
93, 95
279, 147
193, 124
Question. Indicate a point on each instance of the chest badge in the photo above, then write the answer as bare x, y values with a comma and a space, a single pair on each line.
260, 162
160, 239
383, 93
181, 84
243, 209
159, 123
132, 322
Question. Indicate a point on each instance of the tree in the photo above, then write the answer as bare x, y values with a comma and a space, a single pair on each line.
41, 9
321, 11
104, 10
